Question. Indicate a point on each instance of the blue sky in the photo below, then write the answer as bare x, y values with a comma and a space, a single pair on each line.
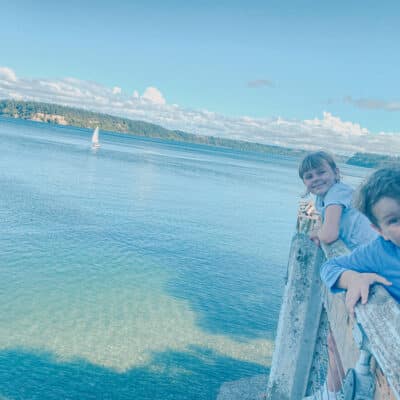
262, 60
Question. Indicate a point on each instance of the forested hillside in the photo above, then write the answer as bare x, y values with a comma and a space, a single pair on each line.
53, 113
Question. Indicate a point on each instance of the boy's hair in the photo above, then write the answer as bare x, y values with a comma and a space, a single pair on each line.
384, 182
316, 160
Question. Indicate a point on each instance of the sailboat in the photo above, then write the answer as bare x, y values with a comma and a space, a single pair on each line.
95, 138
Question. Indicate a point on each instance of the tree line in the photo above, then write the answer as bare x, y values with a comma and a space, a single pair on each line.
89, 119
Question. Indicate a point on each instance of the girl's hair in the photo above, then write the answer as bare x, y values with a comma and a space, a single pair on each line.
316, 160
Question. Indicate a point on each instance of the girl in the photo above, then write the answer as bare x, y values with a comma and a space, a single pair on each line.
333, 200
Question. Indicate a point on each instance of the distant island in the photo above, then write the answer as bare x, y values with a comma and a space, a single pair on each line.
62, 115
372, 160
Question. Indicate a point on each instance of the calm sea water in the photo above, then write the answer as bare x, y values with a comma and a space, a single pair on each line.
144, 270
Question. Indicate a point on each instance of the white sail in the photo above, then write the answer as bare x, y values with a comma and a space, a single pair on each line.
95, 138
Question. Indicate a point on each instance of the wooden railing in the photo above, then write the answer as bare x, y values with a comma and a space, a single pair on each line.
368, 346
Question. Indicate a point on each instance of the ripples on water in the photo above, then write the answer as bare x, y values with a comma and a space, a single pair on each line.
144, 270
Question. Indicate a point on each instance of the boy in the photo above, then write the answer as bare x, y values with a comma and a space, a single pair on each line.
378, 261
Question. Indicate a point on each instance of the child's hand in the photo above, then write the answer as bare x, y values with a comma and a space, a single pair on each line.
310, 208
357, 285
314, 237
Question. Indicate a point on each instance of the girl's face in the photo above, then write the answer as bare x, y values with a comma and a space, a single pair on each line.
319, 180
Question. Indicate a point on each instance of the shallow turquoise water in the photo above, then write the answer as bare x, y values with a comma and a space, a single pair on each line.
144, 270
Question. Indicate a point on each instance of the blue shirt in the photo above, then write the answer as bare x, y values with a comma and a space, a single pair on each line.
379, 256
355, 228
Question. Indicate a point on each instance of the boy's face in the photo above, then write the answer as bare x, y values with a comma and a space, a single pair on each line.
387, 213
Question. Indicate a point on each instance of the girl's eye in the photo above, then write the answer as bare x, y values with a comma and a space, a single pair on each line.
392, 221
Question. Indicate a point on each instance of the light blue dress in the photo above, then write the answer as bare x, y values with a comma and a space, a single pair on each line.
355, 227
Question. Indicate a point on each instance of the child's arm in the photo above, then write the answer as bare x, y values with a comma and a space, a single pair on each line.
338, 197
329, 231
355, 273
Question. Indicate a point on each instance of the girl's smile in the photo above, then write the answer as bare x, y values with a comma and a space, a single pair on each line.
319, 180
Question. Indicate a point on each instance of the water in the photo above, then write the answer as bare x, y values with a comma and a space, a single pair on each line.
144, 270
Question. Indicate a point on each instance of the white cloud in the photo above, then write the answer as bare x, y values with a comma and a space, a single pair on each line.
116, 90
329, 132
337, 125
153, 95
8, 74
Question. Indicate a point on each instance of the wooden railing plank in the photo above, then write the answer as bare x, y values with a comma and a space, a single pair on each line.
380, 321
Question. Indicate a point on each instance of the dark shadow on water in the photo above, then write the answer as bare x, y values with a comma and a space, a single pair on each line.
232, 294
197, 374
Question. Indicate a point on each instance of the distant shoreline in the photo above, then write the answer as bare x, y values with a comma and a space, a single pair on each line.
62, 115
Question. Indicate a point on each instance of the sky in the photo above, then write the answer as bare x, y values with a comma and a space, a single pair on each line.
308, 74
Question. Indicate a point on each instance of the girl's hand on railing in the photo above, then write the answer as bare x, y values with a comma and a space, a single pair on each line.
314, 237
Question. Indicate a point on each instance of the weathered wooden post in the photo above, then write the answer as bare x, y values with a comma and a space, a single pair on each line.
298, 324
